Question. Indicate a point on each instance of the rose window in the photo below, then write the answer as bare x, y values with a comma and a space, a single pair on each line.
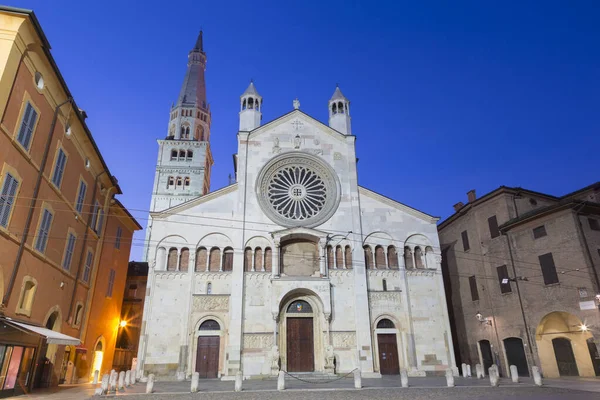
298, 189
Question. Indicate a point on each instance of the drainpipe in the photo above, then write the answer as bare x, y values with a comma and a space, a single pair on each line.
85, 238
32, 205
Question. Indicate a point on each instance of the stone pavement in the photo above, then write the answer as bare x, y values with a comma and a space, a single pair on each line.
62, 392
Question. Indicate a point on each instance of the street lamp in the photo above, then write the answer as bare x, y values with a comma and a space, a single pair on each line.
123, 323
483, 320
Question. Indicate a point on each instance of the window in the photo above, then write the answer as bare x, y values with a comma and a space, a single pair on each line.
465, 240
186, 181
81, 197
209, 288
69, 252
503, 274
384, 284
548, 268
118, 237
173, 155
59, 168
78, 314
27, 294
493, 224
100, 221
368, 257
44, 230
299, 307
181, 155
7, 198
87, 270
473, 286
594, 224
385, 324
95, 215
27, 124
111, 283
539, 232
170, 182
190, 154
210, 325
179, 181
228, 259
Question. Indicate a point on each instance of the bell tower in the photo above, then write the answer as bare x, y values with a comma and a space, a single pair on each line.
184, 156
250, 109
339, 112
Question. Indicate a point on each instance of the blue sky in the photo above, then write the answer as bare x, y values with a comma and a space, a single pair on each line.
446, 96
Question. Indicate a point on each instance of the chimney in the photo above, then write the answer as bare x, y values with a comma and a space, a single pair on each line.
471, 195
83, 114
458, 206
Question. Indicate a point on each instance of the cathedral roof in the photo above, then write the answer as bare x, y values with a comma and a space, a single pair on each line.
338, 95
250, 91
193, 90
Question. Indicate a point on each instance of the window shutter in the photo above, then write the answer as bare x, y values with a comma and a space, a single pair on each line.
88, 266
69, 252
26, 130
548, 268
493, 224
81, 197
503, 274
7, 197
59, 168
465, 240
539, 232
43, 231
473, 285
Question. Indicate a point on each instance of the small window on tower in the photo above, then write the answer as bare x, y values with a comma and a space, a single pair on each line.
173, 154
170, 182
334, 109
250, 103
187, 182
179, 181
181, 155
190, 154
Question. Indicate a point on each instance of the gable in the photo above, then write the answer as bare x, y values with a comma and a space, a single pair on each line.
386, 201
203, 203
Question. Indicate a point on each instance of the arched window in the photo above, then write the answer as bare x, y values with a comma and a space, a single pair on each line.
190, 155
27, 294
228, 259
384, 285
334, 108
379, 257
201, 254
300, 307
368, 257
214, 259
173, 155
268, 259
182, 132
179, 181
250, 103
258, 259
339, 257
385, 324
187, 132
186, 181
256, 105
408, 260
201, 136
210, 325
419, 258
244, 104
78, 314
340, 107
172, 259
209, 288
247, 259
348, 256
184, 259
392, 258
170, 182
181, 155
330, 259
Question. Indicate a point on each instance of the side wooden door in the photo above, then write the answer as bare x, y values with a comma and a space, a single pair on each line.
300, 345
207, 357
388, 354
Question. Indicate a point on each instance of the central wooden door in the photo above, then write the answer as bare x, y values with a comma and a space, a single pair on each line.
565, 359
388, 354
207, 356
515, 354
300, 345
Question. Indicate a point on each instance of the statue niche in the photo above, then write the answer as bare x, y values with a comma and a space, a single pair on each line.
300, 257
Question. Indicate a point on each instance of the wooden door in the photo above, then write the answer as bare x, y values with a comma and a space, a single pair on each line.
300, 345
207, 356
388, 354
486, 355
567, 366
515, 354
594, 355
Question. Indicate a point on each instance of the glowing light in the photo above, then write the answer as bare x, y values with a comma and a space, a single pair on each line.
123, 323
97, 365
583, 328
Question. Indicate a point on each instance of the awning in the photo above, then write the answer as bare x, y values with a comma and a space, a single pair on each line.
51, 336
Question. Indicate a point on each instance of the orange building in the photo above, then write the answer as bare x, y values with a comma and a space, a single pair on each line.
59, 220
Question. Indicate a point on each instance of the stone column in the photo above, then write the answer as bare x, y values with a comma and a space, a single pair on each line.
385, 255
322, 256
335, 258
264, 260
221, 256
178, 259
414, 259
207, 259
275, 265
253, 263
412, 356
275, 328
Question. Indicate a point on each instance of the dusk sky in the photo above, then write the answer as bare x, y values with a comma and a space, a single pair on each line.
445, 96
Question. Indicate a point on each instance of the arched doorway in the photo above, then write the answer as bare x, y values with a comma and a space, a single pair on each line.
207, 352
594, 355
487, 359
562, 346
98, 357
515, 355
565, 359
299, 337
388, 348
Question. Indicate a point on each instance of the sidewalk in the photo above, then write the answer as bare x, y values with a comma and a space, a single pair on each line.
62, 392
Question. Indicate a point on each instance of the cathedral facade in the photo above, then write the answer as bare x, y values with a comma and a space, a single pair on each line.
295, 266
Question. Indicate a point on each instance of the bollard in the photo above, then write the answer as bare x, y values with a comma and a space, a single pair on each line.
464, 370
493, 373
96, 376
150, 384
468, 370
195, 382
238, 381
404, 378
479, 371
127, 379
450, 377
537, 377
357, 379
113, 382
514, 373
121, 380
104, 383
281, 381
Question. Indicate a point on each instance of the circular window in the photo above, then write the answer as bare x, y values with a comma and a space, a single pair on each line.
39, 80
298, 189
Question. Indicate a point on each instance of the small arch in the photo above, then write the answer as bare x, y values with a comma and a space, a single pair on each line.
186, 181
214, 259
256, 105
299, 307
379, 257
244, 104
392, 256
182, 134
184, 259
339, 257
39, 80
201, 135
28, 290
209, 288
187, 132
181, 155
385, 324
190, 155
170, 182
179, 181
250, 103
334, 108
210, 325
78, 314
247, 259
330, 259
408, 260
419, 258
348, 256
268, 259
228, 259
258, 259
368, 257
201, 255
340, 107
173, 155
172, 259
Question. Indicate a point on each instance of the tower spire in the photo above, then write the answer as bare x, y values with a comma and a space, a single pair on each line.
199, 45
193, 90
